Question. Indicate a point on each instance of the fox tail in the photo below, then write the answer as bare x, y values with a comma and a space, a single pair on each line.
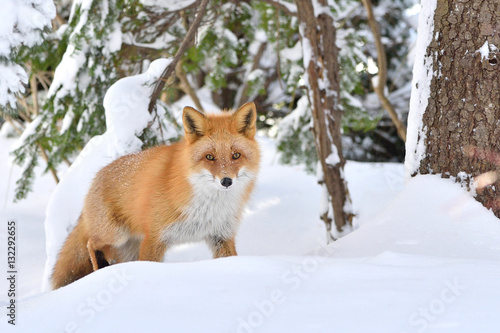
74, 260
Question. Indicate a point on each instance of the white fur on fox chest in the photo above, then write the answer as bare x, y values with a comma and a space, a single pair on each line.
213, 210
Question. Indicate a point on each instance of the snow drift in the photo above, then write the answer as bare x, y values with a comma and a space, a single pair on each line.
428, 262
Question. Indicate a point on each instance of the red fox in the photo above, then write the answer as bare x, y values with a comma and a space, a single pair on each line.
193, 190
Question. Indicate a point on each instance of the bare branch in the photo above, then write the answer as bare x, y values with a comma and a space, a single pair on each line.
382, 72
256, 60
46, 159
43, 153
182, 48
278, 63
34, 93
14, 123
186, 86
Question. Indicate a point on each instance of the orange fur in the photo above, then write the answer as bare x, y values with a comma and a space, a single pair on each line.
142, 203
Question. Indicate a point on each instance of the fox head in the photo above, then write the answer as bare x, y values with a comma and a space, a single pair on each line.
222, 147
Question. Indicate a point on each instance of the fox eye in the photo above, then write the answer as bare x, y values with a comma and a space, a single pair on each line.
210, 157
236, 156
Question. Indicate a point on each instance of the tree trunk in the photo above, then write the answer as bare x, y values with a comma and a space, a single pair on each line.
322, 70
460, 129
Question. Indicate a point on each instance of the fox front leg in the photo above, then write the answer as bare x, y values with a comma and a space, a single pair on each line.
152, 249
222, 247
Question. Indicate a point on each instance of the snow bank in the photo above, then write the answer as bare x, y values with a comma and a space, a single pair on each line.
429, 262
431, 216
126, 117
389, 293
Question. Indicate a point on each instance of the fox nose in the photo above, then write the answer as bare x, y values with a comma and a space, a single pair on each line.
226, 182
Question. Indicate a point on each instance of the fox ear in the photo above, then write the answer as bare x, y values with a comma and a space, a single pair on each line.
245, 118
194, 123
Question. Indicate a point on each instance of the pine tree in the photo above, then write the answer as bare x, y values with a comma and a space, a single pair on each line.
242, 51
368, 134
90, 50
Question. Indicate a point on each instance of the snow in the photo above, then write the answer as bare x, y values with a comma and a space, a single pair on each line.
425, 258
21, 23
128, 95
485, 50
256, 74
68, 75
230, 36
420, 93
8, 16
320, 9
13, 77
333, 159
285, 294
293, 53
260, 36
292, 8
447, 222
115, 39
28, 131
307, 51
65, 76
158, 43
171, 5
67, 120
295, 120
205, 97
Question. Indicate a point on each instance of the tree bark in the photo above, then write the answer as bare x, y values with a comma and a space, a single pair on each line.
462, 119
321, 64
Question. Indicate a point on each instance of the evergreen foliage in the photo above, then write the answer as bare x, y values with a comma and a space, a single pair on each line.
244, 50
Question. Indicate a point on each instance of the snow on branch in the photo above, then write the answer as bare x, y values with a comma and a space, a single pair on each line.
68, 74
287, 7
171, 6
22, 23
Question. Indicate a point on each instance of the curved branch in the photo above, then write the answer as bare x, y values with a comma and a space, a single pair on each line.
160, 84
256, 60
382, 72
186, 86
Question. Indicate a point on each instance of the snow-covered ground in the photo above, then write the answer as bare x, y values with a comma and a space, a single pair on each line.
426, 258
